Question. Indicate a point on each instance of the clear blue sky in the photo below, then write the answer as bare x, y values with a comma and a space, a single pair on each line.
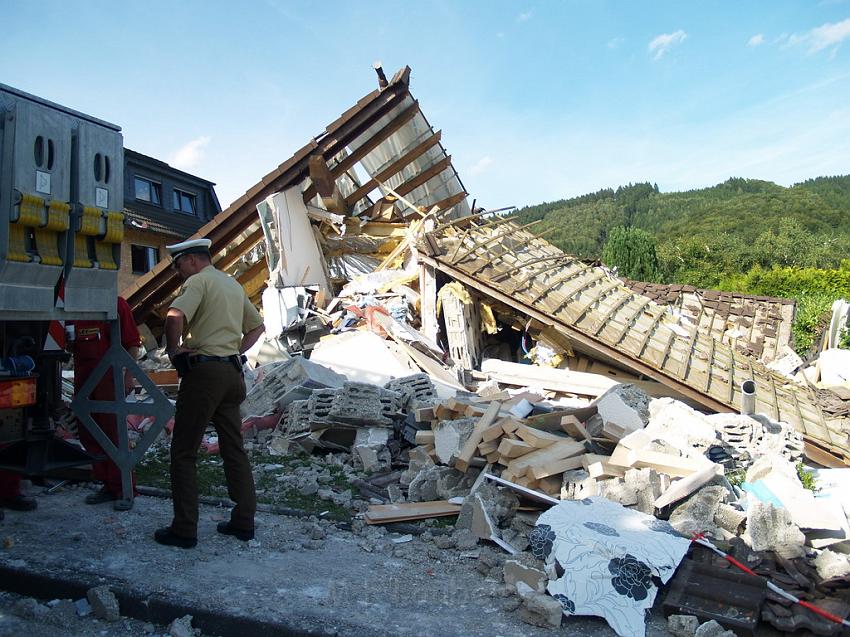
537, 100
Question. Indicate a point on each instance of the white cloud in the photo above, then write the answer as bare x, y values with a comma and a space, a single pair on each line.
830, 34
756, 40
481, 165
664, 42
613, 43
190, 154
525, 16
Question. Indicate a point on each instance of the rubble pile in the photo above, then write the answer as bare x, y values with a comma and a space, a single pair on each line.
400, 324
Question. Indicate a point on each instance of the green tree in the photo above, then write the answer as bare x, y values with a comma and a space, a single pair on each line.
632, 252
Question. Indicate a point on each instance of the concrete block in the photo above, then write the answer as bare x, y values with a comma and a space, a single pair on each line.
626, 406
831, 564
515, 571
682, 625
280, 383
417, 389
541, 610
362, 404
696, 514
771, 529
713, 629
450, 436
104, 604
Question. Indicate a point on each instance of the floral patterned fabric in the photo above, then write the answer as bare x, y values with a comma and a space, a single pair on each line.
604, 559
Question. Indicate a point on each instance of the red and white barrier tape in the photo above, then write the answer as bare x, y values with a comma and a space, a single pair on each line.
699, 538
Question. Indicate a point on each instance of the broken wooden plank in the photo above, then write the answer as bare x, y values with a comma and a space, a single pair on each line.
598, 466
683, 488
538, 472
425, 437
679, 466
536, 437
557, 451
493, 432
384, 513
574, 427
510, 449
462, 461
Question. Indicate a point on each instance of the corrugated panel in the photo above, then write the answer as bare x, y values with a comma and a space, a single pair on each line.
600, 314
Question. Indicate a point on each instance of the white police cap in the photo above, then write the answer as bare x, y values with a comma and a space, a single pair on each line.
192, 246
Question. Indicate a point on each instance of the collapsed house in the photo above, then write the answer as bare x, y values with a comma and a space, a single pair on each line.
399, 323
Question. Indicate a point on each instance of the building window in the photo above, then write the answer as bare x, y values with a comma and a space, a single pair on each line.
184, 201
147, 190
143, 258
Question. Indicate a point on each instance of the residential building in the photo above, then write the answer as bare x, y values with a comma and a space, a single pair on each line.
163, 205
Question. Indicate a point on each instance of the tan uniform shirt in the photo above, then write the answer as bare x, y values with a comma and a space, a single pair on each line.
218, 313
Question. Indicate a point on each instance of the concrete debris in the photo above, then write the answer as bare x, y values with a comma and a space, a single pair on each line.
625, 407
541, 610
729, 518
756, 435
713, 629
697, 514
417, 389
362, 404
278, 384
181, 627
518, 570
481, 525
679, 425
418, 461
450, 436
104, 603
830, 564
682, 625
370, 449
770, 528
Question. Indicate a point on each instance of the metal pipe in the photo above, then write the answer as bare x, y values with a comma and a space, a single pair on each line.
382, 79
748, 397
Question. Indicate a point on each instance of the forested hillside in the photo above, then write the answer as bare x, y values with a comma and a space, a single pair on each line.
702, 236
743, 235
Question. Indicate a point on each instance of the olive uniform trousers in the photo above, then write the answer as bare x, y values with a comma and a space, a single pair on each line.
211, 391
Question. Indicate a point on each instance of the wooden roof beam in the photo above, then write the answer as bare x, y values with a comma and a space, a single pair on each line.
371, 144
392, 169
425, 175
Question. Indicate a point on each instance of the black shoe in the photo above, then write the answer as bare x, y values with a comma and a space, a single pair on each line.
19, 503
166, 537
99, 497
240, 534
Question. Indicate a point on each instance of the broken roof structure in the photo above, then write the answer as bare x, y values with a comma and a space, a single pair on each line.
385, 133
756, 325
606, 320
386, 137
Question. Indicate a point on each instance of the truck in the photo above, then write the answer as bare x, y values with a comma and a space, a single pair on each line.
61, 228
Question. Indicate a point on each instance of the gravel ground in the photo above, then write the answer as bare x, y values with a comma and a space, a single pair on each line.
305, 574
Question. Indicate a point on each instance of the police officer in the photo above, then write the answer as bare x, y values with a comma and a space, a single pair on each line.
218, 324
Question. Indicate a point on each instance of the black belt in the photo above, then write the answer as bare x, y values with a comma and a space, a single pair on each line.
203, 358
